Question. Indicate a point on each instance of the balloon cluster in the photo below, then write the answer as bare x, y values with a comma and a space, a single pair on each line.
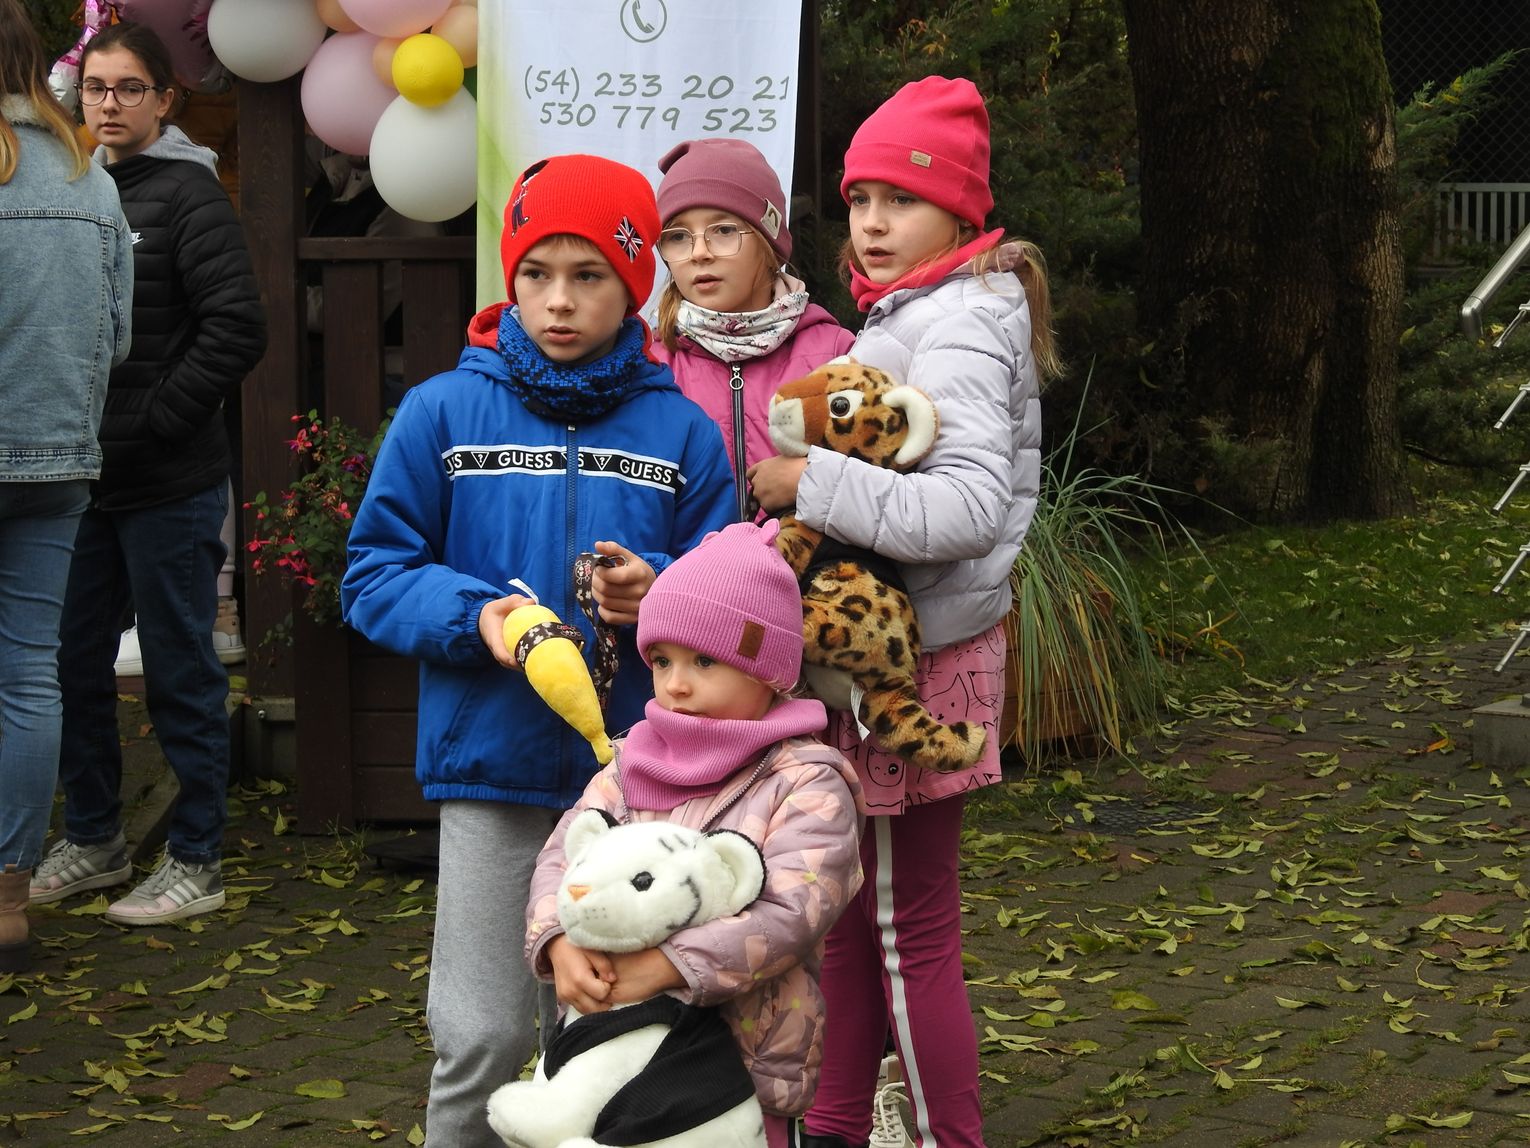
381, 78
181, 24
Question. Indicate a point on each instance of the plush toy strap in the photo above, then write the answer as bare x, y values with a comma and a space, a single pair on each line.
605, 633
534, 637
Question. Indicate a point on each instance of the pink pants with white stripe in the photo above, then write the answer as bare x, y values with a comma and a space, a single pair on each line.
895, 958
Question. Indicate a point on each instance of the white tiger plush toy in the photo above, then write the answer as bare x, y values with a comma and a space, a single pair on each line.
660, 1073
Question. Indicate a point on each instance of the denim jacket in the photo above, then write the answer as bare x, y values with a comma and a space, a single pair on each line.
66, 262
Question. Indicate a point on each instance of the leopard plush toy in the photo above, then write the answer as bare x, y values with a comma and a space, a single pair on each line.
860, 633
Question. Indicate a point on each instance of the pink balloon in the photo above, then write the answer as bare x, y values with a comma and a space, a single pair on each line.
396, 18
182, 25
343, 98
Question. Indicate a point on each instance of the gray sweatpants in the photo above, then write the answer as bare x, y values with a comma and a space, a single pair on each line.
483, 1003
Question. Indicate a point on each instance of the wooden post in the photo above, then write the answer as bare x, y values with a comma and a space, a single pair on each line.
271, 206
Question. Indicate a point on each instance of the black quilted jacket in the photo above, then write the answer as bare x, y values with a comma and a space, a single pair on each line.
198, 329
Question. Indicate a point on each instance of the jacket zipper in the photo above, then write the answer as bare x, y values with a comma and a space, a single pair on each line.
736, 382
566, 603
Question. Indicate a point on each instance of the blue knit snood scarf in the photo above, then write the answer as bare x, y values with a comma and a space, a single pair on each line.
576, 392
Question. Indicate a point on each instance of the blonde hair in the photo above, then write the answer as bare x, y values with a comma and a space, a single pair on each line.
1031, 270
667, 320
24, 73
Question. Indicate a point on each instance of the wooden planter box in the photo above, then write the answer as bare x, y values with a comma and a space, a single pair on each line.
356, 721
1059, 718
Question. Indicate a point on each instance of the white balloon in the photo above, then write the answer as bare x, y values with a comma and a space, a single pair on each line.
264, 40
425, 160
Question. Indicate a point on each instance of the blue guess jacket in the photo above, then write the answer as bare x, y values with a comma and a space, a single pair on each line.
472, 490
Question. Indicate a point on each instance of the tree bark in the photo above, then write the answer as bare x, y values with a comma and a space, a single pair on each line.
1272, 257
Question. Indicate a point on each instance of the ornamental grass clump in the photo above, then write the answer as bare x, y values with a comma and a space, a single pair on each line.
302, 535
1084, 633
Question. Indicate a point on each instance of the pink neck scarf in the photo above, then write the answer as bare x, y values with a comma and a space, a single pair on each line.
867, 293
670, 758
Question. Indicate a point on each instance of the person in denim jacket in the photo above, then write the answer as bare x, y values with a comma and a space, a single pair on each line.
152, 533
66, 263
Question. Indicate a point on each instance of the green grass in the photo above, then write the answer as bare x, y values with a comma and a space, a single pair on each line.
1276, 603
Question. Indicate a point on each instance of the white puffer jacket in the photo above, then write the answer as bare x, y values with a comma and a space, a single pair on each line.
956, 523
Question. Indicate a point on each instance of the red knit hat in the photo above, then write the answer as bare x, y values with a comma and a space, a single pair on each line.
597, 199
728, 175
931, 138
733, 598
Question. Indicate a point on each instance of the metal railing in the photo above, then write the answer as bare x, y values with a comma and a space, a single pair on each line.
1471, 326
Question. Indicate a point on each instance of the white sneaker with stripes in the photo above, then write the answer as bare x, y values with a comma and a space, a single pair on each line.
68, 868
173, 892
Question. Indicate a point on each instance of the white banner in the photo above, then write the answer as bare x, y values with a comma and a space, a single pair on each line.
625, 79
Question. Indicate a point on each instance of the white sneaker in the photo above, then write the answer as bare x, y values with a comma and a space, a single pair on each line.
69, 868
174, 891
129, 656
228, 642
887, 1128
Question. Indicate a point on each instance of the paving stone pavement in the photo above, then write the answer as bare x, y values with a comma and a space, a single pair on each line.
1295, 916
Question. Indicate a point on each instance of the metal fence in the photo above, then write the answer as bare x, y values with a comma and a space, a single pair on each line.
1428, 42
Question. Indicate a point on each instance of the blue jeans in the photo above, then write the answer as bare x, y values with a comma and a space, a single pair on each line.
164, 560
38, 521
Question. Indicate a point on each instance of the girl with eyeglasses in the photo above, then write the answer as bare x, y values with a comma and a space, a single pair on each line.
151, 536
733, 324
65, 310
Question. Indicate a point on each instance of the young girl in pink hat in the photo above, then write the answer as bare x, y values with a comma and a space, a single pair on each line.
723, 745
955, 310
733, 324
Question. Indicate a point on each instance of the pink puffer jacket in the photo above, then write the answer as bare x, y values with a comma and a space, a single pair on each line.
802, 806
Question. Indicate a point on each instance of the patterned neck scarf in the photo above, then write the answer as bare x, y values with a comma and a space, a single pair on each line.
734, 336
576, 392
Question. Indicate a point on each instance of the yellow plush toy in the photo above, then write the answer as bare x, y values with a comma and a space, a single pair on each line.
548, 653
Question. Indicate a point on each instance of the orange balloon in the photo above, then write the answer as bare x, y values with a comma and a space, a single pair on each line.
458, 26
336, 17
382, 59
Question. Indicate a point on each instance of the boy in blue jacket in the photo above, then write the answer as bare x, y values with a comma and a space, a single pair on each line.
555, 434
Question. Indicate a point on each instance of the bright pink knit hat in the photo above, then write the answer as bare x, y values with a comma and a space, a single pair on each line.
730, 175
733, 598
598, 199
931, 138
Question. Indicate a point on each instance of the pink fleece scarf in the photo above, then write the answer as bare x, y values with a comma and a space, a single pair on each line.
670, 758
868, 294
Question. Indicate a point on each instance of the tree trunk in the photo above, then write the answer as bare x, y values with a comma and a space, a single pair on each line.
1272, 258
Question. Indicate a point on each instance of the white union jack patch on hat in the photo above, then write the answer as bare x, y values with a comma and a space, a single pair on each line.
631, 242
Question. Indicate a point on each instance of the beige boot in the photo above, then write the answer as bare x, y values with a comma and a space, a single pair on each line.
15, 946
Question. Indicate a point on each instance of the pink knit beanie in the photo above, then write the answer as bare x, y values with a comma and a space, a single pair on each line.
931, 138
729, 175
733, 598
595, 198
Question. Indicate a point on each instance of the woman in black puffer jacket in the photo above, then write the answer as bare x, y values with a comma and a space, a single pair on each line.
151, 534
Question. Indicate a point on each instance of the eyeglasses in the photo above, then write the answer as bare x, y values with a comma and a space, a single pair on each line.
721, 239
129, 93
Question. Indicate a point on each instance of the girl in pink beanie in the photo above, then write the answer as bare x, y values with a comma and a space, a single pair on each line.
733, 324
724, 746
953, 310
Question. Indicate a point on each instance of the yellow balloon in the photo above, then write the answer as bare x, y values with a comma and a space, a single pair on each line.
459, 28
427, 70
